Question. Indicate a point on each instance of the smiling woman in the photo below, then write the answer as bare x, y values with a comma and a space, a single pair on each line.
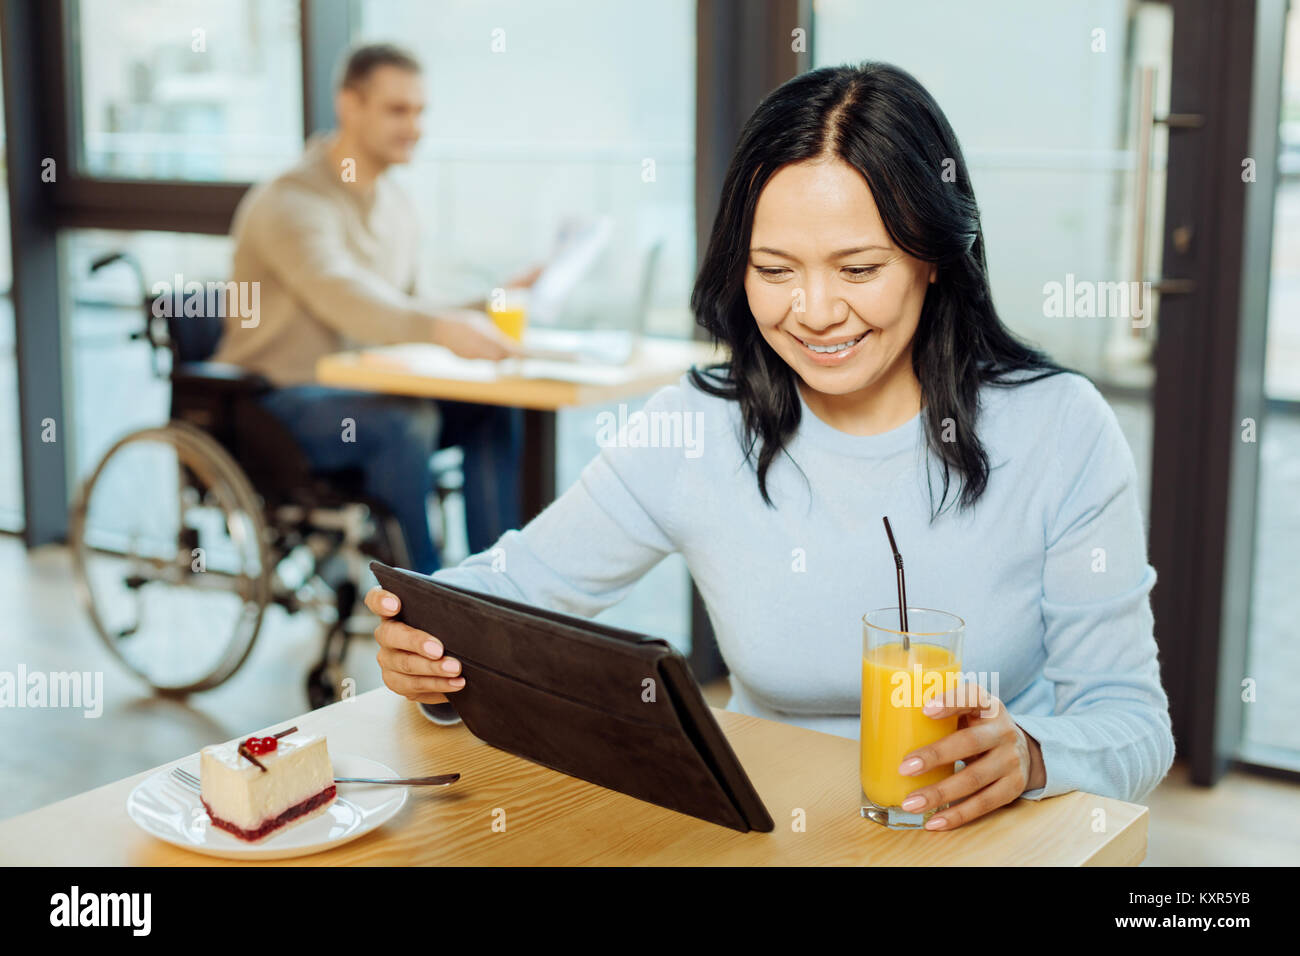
848, 238
846, 273
819, 309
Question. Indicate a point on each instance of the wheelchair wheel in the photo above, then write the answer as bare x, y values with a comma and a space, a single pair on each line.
169, 547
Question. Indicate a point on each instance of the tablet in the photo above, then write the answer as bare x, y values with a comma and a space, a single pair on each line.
609, 706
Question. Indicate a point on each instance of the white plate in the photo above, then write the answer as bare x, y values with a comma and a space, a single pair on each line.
160, 805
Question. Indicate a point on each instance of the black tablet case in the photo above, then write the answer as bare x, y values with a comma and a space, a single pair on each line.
572, 695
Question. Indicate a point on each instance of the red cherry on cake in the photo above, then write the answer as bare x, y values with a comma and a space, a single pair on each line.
260, 745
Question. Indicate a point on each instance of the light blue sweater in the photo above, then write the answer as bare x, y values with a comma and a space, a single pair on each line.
1049, 569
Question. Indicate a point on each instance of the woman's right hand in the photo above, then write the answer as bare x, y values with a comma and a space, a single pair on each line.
411, 660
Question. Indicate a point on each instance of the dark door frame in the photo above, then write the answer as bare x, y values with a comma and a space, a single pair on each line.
744, 50
1209, 365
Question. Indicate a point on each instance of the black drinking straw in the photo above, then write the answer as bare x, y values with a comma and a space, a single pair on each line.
902, 588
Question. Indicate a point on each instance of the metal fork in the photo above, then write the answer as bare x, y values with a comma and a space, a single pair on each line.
191, 782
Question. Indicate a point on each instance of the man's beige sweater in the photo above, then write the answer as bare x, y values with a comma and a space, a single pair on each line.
336, 267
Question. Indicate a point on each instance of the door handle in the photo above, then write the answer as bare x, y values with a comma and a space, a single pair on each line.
1147, 120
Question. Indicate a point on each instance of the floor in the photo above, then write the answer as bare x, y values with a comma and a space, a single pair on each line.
1245, 820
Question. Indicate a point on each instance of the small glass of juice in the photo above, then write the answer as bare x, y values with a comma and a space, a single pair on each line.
897, 682
508, 308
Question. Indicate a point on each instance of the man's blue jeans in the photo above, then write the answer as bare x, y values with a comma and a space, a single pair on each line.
391, 439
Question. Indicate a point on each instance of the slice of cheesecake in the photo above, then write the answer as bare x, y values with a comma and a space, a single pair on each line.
255, 787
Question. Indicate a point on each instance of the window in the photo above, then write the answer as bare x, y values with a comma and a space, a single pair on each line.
1270, 734
114, 388
182, 91
534, 115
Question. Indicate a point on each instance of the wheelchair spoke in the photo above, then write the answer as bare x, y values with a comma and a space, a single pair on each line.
170, 557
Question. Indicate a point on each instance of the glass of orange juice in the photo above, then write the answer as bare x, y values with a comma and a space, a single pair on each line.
896, 683
508, 308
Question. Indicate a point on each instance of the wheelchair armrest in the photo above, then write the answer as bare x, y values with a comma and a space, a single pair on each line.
220, 376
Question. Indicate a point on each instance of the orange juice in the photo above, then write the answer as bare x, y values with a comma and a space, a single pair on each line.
510, 320
895, 686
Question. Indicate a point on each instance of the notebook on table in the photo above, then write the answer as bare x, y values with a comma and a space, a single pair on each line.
606, 705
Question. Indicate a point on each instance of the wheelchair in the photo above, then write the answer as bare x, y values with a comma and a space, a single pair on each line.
184, 534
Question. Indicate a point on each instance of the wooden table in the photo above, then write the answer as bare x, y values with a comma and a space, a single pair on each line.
554, 819
428, 371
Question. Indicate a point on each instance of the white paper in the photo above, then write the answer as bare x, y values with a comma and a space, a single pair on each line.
576, 249
432, 361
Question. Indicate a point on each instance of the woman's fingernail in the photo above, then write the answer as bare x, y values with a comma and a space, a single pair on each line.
935, 823
931, 707
910, 765
450, 666
914, 803
457, 682
389, 603
432, 649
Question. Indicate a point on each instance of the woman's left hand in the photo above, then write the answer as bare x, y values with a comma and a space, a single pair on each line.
1002, 761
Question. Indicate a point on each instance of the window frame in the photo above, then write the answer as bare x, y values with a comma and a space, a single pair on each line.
83, 200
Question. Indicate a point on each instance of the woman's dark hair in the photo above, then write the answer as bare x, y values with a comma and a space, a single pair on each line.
882, 122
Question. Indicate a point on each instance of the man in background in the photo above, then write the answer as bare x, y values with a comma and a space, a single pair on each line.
333, 244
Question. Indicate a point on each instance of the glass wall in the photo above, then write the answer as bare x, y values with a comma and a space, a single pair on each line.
185, 91
1271, 734
114, 389
535, 116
